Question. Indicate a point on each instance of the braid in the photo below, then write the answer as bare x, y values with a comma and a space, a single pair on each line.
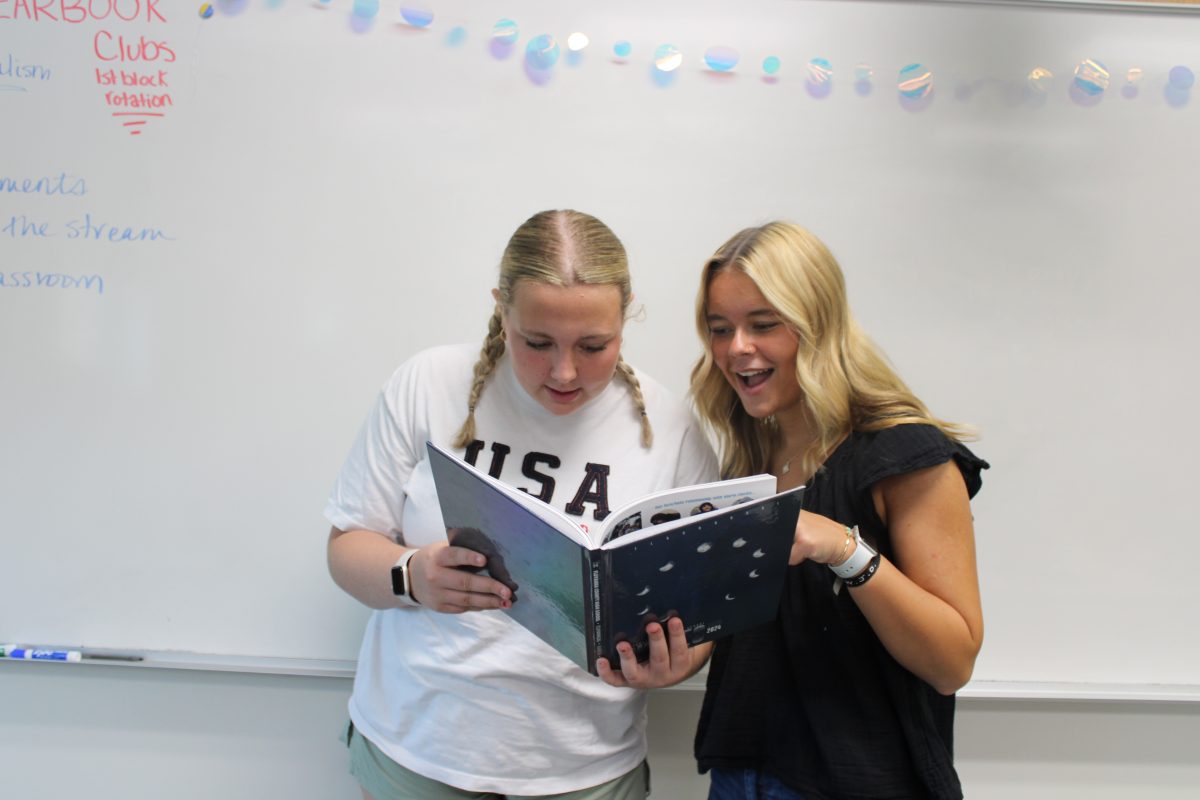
489, 354
627, 374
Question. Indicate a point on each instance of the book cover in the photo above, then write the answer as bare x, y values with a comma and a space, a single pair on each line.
714, 555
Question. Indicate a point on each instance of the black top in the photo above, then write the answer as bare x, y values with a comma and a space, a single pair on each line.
812, 697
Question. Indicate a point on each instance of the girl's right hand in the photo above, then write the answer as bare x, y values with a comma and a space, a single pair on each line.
446, 579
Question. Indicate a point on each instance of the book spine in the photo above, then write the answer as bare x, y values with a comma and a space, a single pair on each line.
594, 607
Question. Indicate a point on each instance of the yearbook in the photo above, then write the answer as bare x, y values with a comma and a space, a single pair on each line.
713, 555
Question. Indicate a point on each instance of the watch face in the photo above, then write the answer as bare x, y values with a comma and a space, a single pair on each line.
399, 581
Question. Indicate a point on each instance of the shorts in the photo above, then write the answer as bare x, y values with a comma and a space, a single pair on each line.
384, 779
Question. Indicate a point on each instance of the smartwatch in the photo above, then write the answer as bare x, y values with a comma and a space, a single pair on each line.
402, 578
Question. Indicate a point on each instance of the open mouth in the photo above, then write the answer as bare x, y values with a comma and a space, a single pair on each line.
753, 378
561, 396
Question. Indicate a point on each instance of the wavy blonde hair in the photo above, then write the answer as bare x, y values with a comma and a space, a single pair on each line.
559, 248
846, 381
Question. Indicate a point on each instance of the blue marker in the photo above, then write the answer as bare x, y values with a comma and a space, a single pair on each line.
34, 654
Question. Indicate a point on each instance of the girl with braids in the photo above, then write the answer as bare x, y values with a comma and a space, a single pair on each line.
849, 692
452, 698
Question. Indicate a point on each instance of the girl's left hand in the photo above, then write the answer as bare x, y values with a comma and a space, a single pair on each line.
671, 659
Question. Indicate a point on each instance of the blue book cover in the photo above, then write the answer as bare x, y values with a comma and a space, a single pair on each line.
713, 555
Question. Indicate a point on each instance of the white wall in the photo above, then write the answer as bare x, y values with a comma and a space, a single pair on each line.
71, 731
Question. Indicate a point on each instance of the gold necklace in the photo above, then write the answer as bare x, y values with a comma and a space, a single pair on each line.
787, 465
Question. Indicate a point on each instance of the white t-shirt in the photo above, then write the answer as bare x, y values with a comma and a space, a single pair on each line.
474, 700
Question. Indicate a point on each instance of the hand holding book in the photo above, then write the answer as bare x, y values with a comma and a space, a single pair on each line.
671, 659
443, 580
712, 555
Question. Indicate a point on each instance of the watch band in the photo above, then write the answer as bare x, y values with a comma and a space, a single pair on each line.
402, 579
865, 575
858, 560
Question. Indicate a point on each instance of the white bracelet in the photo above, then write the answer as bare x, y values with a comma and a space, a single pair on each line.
858, 560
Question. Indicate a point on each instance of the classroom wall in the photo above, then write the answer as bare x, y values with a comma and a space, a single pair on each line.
92, 731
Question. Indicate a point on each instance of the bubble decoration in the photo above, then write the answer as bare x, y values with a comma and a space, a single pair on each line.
818, 81
915, 82
863, 73
577, 42
820, 71
366, 9
1132, 80
622, 49
1040, 79
417, 16
1181, 78
542, 52
771, 65
1178, 91
667, 58
1091, 78
721, 58
505, 32
206, 10
456, 36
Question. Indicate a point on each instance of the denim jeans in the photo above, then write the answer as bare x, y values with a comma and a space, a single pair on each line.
747, 784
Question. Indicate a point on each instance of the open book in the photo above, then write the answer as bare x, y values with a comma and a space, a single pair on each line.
714, 555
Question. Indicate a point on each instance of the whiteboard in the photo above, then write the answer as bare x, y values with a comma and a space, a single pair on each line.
198, 308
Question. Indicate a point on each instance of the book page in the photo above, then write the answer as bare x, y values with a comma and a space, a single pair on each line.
686, 501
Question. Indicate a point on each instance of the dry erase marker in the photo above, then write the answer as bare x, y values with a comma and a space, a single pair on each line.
37, 654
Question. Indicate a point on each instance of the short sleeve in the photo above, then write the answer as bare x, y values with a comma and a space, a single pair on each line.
367, 494
907, 448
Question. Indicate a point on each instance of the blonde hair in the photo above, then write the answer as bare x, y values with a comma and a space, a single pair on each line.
559, 248
846, 381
